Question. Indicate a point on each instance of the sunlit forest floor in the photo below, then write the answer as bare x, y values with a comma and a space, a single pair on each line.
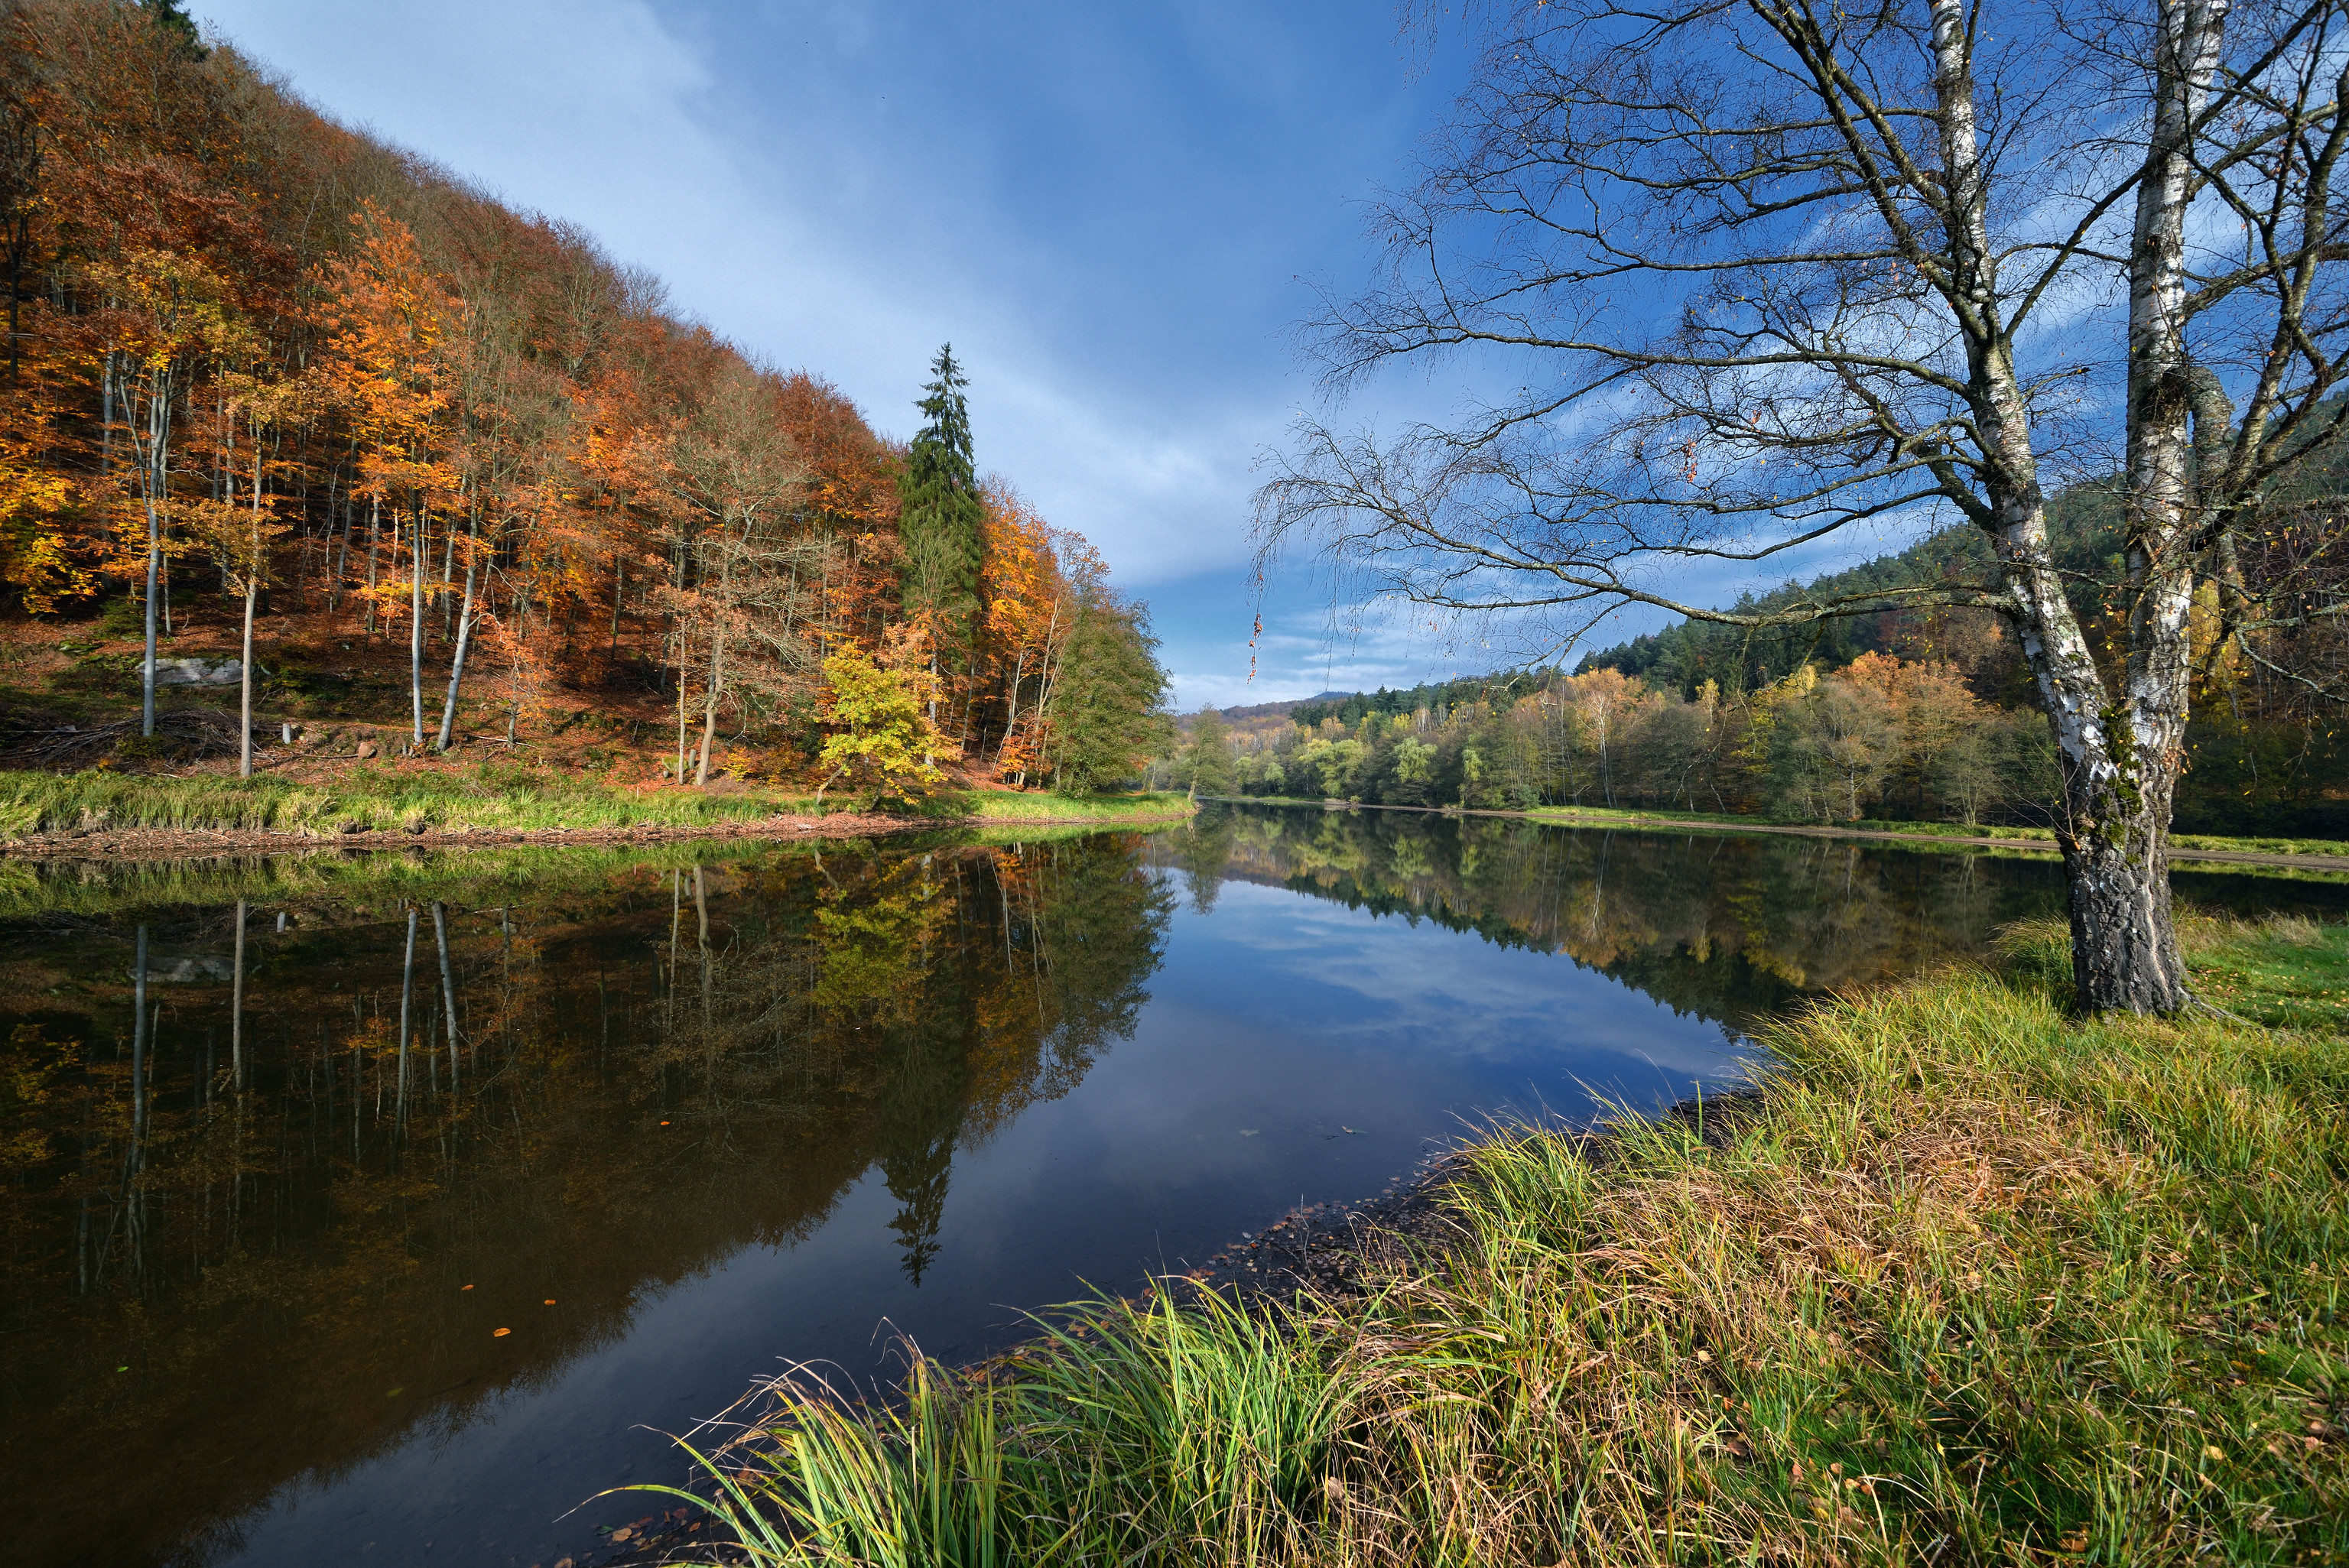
1973, 1280
334, 753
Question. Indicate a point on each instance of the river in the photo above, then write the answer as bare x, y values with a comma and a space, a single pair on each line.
295, 1283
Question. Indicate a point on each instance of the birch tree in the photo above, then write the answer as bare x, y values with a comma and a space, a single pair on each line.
1737, 278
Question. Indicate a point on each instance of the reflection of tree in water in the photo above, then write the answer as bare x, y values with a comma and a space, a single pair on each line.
983, 983
1730, 928
621, 1083
1202, 853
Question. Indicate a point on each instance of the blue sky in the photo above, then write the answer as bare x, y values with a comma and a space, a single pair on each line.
1114, 212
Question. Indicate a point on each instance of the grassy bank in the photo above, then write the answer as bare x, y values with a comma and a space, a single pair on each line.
365, 799
487, 799
1956, 832
995, 805
1630, 817
1974, 1282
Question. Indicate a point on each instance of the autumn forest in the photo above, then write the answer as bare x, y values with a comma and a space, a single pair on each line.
282, 395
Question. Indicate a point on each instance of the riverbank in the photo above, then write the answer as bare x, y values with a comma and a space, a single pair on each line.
107, 816
2289, 854
1969, 1280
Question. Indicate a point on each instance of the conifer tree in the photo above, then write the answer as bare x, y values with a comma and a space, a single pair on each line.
940, 519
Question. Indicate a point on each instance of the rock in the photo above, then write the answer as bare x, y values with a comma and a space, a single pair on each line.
198, 672
367, 748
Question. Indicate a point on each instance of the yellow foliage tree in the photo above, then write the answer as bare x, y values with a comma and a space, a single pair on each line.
884, 741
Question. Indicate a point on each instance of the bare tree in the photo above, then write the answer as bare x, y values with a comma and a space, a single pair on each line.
1766, 271
735, 486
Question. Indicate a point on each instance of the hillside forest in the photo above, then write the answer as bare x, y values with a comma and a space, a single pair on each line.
274, 385
1902, 713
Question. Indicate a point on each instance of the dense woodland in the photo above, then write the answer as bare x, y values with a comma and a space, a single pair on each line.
263, 369
1892, 712
1901, 713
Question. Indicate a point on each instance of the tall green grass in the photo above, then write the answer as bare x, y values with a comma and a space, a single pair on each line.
1042, 807
364, 799
492, 797
1127, 1433
1973, 1282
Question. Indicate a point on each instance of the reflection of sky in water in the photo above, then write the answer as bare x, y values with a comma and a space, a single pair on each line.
1384, 984
1293, 1050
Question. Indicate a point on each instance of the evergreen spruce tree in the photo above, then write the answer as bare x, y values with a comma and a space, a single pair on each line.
939, 523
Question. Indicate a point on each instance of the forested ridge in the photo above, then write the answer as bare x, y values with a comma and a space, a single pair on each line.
1899, 712
463, 474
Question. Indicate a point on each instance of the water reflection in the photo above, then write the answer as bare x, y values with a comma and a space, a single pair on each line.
369, 1206
1728, 928
261, 1216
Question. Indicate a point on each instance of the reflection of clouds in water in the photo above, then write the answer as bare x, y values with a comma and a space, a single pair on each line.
1383, 984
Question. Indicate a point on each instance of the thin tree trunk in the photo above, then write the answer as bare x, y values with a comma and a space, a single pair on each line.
375, 538
251, 593
448, 575
338, 555
1011, 716
157, 471
465, 638
716, 674
710, 702
416, 631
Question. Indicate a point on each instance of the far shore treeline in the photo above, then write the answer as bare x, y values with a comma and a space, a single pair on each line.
264, 369
1903, 715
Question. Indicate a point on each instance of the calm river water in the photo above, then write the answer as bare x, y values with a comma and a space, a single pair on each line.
299, 1285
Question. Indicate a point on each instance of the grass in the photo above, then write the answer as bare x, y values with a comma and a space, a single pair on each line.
1636, 816
2271, 846
365, 799
1974, 1282
1041, 805
492, 797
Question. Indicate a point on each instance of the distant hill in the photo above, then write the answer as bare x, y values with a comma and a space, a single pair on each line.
2083, 525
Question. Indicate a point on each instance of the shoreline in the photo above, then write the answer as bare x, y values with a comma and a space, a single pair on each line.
1563, 818
199, 843
1338, 1250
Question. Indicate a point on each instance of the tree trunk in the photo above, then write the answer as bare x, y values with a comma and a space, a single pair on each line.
716, 669
146, 669
457, 664
709, 701
251, 593
244, 686
2113, 830
416, 631
375, 538
1011, 718
156, 473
